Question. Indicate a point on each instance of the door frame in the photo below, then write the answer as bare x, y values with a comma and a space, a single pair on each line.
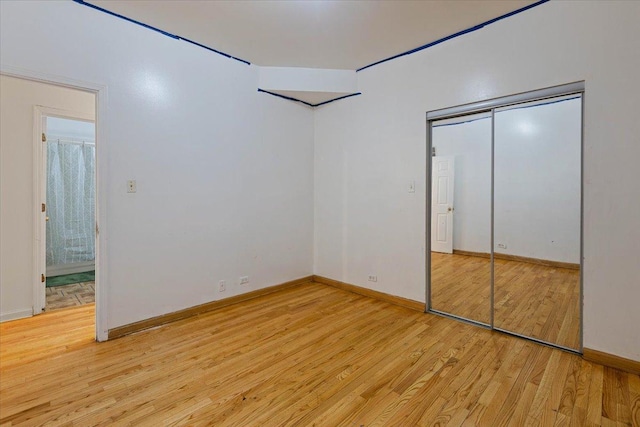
490, 105
101, 119
40, 194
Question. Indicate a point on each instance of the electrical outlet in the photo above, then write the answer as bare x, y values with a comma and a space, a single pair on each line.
244, 280
502, 246
222, 286
131, 186
373, 278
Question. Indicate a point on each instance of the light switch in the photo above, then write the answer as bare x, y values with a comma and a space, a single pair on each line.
131, 186
412, 187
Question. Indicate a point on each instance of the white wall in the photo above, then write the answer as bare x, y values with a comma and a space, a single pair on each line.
308, 79
368, 147
71, 129
537, 181
224, 173
17, 101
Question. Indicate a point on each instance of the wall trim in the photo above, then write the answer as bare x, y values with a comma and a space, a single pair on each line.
72, 268
392, 299
152, 28
141, 325
452, 36
611, 360
497, 255
289, 98
14, 315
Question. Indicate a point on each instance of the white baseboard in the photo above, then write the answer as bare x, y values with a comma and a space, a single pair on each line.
76, 267
13, 315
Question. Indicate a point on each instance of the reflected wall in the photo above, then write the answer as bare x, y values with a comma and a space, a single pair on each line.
537, 211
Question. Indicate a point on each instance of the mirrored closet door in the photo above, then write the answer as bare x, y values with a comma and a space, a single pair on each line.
505, 214
461, 217
537, 178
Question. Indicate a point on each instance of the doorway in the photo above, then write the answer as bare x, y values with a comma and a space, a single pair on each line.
516, 261
27, 97
70, 224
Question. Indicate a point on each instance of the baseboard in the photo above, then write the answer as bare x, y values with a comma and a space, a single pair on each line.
131, 328
497, 255
471, 253
14, 315
392, 299
74, 268
611, 360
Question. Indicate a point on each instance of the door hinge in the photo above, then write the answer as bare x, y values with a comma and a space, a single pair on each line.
44, 207
43, 278
44, 137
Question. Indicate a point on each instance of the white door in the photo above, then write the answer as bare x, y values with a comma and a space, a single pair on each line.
40, 298
442, 169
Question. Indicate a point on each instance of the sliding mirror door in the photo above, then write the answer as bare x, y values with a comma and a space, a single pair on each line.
460, 238
537, 220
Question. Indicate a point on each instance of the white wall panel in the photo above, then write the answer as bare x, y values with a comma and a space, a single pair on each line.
368, 147
224, 174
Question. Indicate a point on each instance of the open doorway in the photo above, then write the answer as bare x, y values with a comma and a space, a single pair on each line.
70, 223
31, 103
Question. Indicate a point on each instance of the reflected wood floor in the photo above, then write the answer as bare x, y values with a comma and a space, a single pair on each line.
311, 355
530, 299
461, 285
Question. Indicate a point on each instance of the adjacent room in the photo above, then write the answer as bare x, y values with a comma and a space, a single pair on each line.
319, 212
70, 208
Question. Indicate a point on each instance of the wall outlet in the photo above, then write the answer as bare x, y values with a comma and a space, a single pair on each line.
244, 280
222, 286
502, 246
131, 186
373, 278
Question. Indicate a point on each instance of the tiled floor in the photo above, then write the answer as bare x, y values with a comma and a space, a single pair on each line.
70, 295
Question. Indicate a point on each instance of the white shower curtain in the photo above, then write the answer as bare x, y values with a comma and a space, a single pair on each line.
70, 203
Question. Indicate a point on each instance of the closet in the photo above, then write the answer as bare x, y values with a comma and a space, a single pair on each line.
505, 214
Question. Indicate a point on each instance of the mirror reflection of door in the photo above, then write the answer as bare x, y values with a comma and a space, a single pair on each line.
461, 231
537, 211
442, 204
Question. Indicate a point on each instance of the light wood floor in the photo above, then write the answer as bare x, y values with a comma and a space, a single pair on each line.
530, 299
311, 355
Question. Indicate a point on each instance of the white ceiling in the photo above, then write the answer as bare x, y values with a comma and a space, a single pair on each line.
313, 33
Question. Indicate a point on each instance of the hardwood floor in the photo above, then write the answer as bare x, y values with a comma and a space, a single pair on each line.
530, 299
305, 356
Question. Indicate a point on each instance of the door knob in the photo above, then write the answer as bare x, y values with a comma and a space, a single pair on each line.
46, 219
450, 209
